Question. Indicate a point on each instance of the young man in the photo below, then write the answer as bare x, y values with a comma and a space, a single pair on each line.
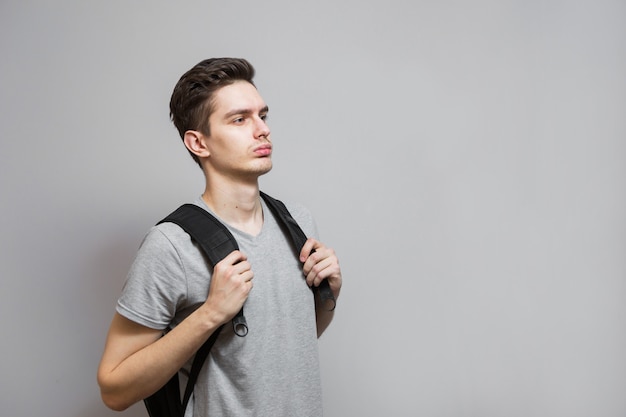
274, 370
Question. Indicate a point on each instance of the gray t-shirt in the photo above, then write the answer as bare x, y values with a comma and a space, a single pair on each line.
274, 370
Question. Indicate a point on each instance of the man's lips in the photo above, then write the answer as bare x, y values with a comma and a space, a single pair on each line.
263, 150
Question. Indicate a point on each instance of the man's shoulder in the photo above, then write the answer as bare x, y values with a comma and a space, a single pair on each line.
295, 208
302, 215
298, 210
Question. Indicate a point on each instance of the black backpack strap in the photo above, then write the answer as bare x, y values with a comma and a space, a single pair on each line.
298, 237
198, 361
214, 238
217, 242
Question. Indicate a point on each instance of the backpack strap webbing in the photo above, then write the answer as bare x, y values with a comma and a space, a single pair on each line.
298, 238
216, 242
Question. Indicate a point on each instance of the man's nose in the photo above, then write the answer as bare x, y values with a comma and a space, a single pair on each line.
262, 129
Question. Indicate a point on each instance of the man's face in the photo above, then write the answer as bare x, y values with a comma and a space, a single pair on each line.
239, 143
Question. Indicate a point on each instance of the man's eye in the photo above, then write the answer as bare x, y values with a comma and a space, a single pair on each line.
238, 120
263, 117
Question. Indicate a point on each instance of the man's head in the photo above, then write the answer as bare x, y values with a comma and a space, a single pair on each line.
192, 100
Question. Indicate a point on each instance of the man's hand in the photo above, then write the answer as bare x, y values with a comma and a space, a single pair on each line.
231, 283
320, 265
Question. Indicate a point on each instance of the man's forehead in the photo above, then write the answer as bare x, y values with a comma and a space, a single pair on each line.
239, 95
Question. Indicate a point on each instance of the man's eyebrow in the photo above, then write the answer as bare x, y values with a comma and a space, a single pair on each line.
245, 112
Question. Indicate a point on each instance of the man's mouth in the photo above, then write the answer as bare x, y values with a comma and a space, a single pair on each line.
263, 150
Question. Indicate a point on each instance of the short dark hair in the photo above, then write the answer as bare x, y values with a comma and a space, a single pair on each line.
192, 101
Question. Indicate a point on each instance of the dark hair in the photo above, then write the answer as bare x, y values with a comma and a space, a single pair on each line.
192, 99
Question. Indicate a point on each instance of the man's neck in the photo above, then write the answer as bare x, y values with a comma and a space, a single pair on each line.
239, 206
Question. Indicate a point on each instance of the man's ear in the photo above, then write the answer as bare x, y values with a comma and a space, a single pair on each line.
196, 143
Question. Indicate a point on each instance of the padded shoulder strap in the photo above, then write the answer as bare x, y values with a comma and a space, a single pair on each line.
214, 238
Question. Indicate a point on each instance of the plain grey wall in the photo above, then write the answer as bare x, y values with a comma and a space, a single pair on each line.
465, 159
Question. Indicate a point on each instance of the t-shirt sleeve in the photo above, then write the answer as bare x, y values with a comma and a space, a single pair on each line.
156, 283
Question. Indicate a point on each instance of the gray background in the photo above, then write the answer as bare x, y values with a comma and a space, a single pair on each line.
465, 159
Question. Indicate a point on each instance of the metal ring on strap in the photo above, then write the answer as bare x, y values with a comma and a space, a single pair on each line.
240, 327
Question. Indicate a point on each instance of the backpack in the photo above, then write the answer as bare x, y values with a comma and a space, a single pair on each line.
217, 242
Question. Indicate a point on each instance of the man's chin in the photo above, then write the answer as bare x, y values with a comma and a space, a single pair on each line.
265, 169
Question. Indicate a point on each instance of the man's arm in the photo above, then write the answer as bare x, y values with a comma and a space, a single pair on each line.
137, 360
318, 266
